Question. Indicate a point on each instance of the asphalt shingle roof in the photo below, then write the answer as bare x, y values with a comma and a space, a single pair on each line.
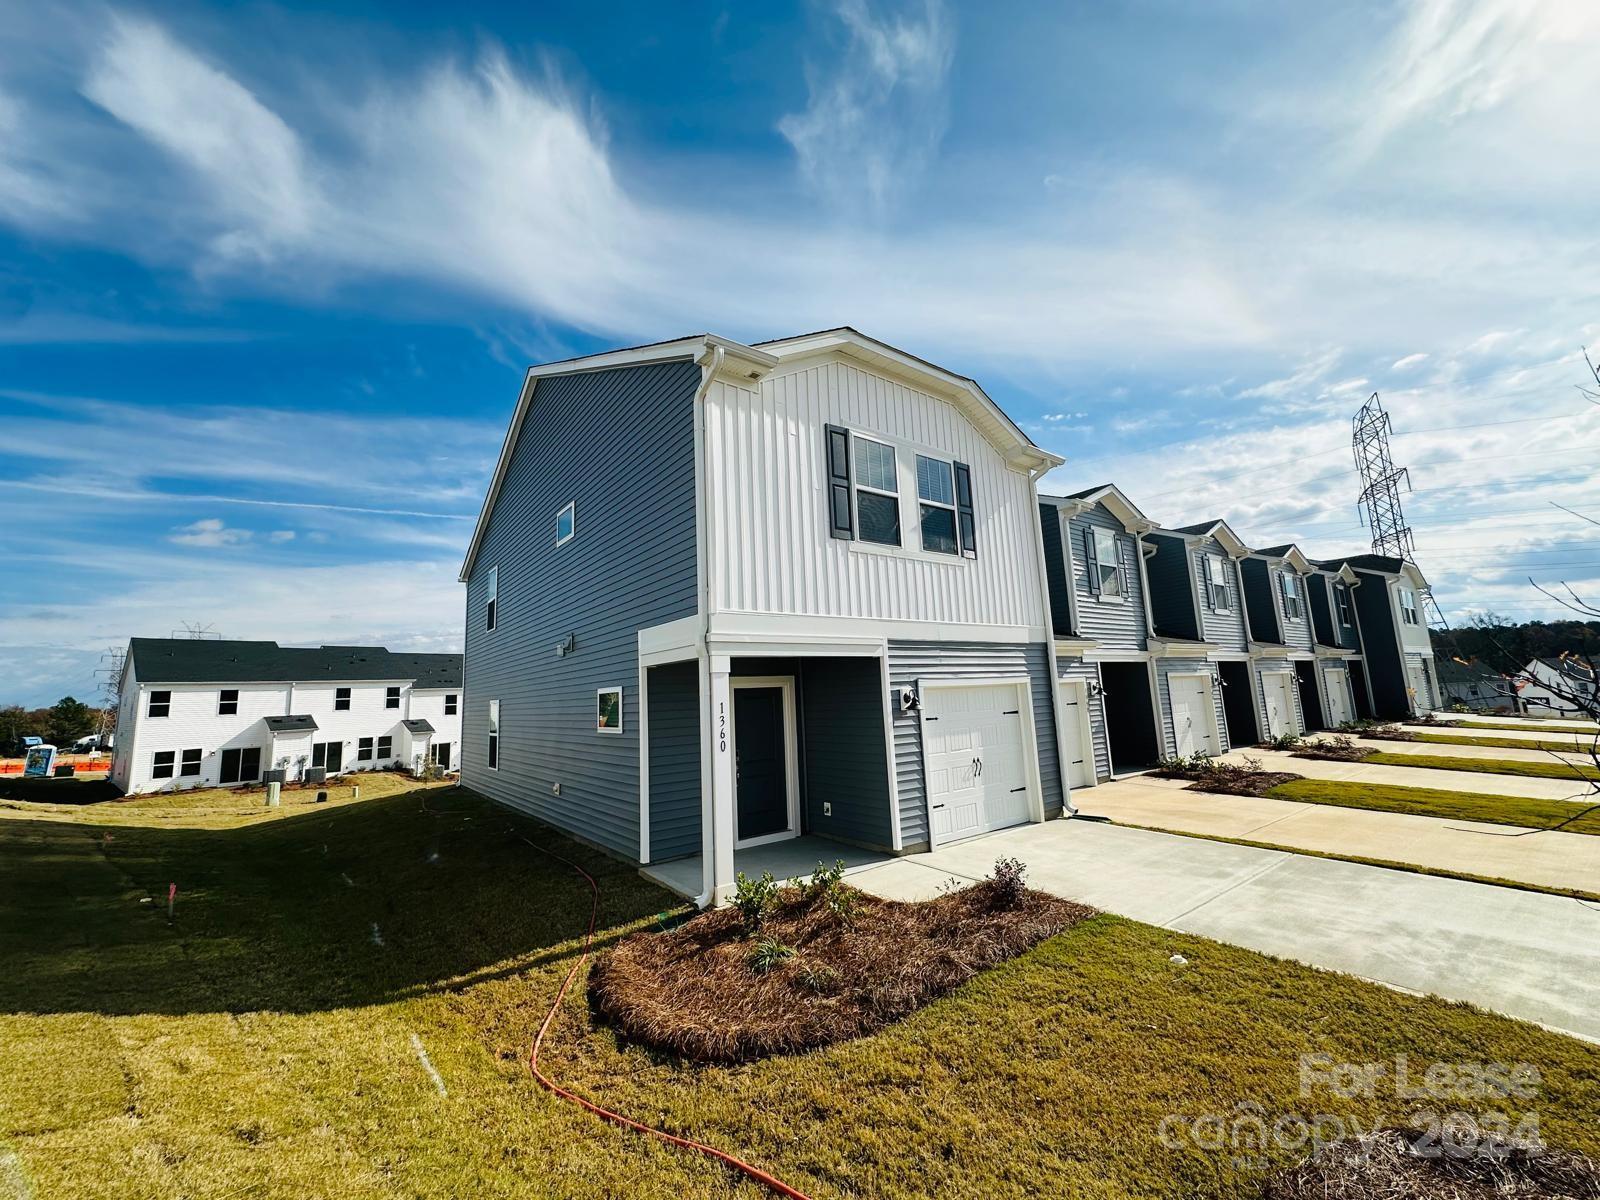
199, 660
300, 723
418, 725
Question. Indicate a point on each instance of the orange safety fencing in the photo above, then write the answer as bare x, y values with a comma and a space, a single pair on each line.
83, 764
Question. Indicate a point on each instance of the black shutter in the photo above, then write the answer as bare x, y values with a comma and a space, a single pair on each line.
966, 523
1091, 561
841, 521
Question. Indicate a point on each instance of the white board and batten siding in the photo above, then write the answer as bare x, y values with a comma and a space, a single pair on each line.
770, 547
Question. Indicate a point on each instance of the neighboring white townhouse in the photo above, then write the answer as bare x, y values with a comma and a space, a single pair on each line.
1560, 687
203, 713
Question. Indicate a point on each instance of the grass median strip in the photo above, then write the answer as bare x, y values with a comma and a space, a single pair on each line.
1578, 743
1434, 802
1576, 772
1524, 726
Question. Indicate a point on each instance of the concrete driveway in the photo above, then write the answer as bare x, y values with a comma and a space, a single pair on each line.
1553, 860
1521, 953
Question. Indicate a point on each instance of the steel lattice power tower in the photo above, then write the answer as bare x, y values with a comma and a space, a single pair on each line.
1381, 485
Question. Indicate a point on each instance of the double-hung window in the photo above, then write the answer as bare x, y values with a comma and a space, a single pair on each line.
1217, 582
162, 764
391, 697
1408, 606
450, 702
341, 699
1105, 563
160, 704
1289, 586
191, 762
877, 492
364, 750
1341, 595
386, 747
491, 601
936, 497
494, 735
228, 702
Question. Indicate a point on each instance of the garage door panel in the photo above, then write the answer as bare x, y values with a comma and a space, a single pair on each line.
973, 743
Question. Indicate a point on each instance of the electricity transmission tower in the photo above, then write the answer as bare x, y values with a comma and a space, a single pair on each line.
109, 673
1381, 485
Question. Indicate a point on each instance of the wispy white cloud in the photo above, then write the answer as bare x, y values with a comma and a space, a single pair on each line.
1408, 362
209, 532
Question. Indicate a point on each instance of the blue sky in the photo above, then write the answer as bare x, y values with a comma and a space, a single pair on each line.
269, 274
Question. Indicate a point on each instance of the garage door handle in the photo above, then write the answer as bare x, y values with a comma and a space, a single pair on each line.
1011, 712
938, 806
977, 766
1020, 789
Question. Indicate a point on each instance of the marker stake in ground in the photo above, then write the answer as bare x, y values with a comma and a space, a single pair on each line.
427, 1064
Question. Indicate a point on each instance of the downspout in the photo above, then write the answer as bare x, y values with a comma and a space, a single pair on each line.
1068, 809
710, 364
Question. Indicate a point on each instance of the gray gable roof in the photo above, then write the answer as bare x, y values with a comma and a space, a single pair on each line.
1366, 562
1276, 551
198, 660
300, 723
418, 725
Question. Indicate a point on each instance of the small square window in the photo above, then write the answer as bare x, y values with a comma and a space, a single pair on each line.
228, 702
160, 704
391, 698
386, 747
450, 705
608, 710
191, 762
161, 765
566, 523
341, 699
364, 750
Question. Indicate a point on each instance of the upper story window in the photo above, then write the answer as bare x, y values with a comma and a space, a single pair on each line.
566, 523
491, 598
341, 699
1289, 589
1104, 563
228, 702
391, 697
877, 492
1216, 582
450, 703
1341, 597
160, 704
936, 495
1408, 606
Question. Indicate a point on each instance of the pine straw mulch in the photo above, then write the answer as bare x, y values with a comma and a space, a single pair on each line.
691, 991
1340, 748
1385, 1167
1227, 779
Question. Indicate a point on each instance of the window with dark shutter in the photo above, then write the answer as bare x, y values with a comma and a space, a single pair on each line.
841, 524
965, 515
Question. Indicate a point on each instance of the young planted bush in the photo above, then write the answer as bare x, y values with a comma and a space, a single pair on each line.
768, 953
1010, 882
753, 900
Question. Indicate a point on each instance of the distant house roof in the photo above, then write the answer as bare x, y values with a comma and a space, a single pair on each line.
301, 723
199, 660
418, 725
1454, 671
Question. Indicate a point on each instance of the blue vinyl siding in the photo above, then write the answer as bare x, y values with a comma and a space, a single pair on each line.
846, 762
1115, 625
620, 444
674, 759
1171, 589
910, 661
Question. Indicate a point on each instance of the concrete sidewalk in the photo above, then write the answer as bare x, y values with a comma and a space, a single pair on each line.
1555, 860
1521, 953
1478, 782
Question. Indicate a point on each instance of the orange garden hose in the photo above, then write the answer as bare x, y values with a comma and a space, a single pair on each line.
772, 1183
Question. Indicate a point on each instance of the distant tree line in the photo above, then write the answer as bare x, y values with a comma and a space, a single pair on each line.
1507, 646
63, 723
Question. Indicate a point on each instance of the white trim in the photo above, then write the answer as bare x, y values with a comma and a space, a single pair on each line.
1030, 742
644, 763
1085, 730
671, 641
571, 506
621, 696
866, 631
1112, 656
791, 754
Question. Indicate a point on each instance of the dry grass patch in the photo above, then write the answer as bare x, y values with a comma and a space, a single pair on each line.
1390, 1166
714, 991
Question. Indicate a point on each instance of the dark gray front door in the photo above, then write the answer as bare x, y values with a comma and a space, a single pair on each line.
763, 780
335, 756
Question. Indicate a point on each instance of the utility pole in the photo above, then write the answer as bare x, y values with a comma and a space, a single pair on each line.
1381, 485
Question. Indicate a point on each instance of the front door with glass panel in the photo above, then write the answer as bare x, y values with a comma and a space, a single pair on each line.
765, 805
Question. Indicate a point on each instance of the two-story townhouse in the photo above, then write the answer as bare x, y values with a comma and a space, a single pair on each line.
722, 597
1279, 621
1199, 643
1342, 670
1397, 650
207, 713
1560, 687
1099, 614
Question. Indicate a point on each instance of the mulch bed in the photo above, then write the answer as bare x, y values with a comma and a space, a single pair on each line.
1228, 779
1384, 1167
1341, 749
692, 992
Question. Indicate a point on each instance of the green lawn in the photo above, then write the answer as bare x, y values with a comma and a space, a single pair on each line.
1525, 726
1491, 766
1579, 743
261, 1045
1433, 802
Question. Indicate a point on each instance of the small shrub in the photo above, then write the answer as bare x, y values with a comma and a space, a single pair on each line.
828, 885
1010, 881
768, 953
1283, 741
818, 978
754, 899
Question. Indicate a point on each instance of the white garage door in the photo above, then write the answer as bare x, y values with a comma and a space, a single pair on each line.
1194, 718
1075, 747
1421, 692
1339, 698
1280, 707
976, 765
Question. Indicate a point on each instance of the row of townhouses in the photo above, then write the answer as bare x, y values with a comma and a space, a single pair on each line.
207, 713
722, 595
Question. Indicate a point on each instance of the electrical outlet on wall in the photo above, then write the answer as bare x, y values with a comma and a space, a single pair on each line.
827, 808
555, 789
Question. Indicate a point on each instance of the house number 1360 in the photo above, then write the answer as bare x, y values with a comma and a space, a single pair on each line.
722, 728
